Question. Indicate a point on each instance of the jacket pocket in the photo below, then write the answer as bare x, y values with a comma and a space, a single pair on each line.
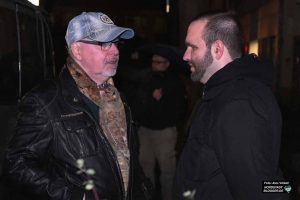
81, 136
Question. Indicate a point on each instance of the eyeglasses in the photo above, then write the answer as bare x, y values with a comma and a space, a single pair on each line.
105, 46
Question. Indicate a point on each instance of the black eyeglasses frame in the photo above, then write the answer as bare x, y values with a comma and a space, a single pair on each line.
103, 45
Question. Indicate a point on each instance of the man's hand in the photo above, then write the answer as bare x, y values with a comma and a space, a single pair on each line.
157, 94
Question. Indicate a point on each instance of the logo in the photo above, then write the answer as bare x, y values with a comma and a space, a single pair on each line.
277, 187
105, 19
287, 188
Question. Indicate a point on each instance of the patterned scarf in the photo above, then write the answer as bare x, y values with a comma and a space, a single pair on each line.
111, 113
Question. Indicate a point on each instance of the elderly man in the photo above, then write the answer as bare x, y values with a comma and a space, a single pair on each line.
74, 137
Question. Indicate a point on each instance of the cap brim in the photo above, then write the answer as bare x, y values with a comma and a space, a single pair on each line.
112, 33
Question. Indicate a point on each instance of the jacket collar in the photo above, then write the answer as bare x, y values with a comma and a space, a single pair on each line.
70, 92
245, 67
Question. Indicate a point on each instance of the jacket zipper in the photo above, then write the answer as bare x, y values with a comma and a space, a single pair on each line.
203, 91
130, 148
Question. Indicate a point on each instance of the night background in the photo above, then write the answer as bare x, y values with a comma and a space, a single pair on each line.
32, 48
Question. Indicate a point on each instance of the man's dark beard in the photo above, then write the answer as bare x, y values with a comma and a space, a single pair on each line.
201, 66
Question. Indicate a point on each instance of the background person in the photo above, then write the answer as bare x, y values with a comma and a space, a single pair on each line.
158, 106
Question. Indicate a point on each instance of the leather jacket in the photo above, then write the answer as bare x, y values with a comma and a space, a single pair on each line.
55, 128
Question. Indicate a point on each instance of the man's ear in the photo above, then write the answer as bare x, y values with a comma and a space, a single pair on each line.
75, 50
217, 49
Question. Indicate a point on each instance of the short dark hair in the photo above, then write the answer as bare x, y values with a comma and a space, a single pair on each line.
223, 26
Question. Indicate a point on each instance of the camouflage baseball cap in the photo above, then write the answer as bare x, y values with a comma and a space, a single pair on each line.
95, 26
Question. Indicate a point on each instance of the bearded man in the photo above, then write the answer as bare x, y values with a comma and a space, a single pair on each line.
234, 139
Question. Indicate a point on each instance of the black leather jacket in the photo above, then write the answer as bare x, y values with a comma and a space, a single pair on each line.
55, 128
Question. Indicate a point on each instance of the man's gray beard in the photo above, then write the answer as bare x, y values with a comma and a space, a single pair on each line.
201, 66
198, 74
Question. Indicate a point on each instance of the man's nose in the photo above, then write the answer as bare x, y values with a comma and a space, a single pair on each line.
114, 48
186, 56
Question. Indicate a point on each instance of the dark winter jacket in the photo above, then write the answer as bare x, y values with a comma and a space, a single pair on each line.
234, 140
55, 128
166, 112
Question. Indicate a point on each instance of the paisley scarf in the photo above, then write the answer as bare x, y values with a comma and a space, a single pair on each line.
111, 113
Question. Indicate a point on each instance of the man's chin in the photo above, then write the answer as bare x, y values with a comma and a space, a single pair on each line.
112, 72
196, 77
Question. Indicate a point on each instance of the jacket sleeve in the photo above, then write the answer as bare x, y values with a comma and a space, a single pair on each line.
27, 155
247, 147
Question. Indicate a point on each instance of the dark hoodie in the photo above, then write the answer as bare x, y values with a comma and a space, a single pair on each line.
166, 112
234, 140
